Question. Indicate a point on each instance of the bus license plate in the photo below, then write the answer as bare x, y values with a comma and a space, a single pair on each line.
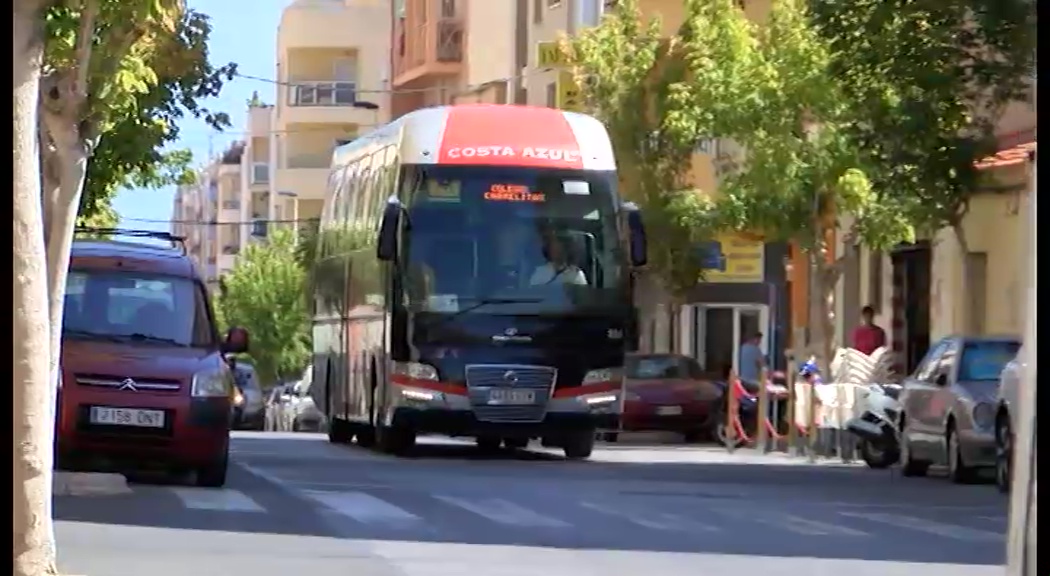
512, 396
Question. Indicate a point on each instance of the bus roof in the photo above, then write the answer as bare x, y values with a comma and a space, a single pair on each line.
491, 134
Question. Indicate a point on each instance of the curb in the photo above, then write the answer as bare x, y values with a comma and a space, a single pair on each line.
88, 484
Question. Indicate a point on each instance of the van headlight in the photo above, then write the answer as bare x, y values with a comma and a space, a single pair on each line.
603, 375
210, 384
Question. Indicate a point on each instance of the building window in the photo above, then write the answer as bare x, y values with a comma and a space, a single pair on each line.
259, 228
552, 95
231, 204
323, 94
260, 173
448, 8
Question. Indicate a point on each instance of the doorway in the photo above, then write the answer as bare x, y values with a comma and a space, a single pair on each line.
713, 333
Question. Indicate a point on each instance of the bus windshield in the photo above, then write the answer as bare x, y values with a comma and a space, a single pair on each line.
513, 240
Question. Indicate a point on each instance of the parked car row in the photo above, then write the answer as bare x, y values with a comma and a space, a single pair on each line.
957, 409
289, 408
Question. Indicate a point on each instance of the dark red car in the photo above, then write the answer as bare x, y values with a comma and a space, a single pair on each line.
143, 381
669, 392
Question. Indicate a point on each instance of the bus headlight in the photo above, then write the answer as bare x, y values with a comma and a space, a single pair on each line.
603, 375
415, 370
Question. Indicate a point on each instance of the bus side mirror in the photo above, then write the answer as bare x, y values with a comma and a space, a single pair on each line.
639, 245
386, 247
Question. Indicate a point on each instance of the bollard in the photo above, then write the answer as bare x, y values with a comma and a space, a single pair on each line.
811, 423
732, 413
792, 432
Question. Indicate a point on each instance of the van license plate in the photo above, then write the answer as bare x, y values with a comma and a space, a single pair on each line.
107, 416
669, 410
512, 396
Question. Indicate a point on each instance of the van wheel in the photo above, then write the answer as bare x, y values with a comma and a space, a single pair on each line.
214, 474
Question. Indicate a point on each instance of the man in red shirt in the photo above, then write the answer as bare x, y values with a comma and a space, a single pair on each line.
868, 337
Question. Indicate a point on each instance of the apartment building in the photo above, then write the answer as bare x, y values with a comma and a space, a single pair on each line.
333, 69
209, 215
457, 51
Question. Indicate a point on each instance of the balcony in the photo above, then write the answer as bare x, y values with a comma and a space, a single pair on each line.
327, 102
428, 47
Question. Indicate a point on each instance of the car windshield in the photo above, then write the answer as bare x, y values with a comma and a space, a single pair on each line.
652, 367
984, 361
137, 307
527, 240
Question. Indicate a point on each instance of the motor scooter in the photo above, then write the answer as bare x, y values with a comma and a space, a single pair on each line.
876, 427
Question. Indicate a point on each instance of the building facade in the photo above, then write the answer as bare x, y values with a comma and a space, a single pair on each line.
333, 77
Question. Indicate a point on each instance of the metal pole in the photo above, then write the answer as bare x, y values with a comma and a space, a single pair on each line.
1021, 544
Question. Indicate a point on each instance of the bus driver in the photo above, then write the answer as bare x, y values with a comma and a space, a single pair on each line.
558, 268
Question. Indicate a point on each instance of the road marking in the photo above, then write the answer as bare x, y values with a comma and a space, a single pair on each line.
662, 521
928, 526
793, 523
219, 500
364, 508
504, 512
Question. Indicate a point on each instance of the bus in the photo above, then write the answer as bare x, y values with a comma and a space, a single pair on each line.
473, 278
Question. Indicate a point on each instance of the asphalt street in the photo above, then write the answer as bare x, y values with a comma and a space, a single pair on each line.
298, 505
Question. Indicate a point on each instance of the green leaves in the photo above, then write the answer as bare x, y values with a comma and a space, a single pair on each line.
264, 293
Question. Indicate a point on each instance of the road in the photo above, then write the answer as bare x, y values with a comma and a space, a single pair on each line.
298, 505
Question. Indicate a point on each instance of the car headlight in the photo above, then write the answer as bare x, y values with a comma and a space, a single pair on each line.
210, 384
603, 375
984, 415
415, 370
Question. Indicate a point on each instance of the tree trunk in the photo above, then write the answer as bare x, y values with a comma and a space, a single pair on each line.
33, 394
821, 308
70, 157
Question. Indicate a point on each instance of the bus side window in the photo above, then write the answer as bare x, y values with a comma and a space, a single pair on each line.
356, 200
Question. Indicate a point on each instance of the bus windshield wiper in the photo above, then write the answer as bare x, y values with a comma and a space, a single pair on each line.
483, 302
140, 337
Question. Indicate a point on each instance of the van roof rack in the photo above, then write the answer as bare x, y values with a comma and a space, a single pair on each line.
176, 241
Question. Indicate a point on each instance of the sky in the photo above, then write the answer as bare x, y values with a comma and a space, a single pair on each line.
245, 32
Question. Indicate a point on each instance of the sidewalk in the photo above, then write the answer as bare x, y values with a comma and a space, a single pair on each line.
88, 484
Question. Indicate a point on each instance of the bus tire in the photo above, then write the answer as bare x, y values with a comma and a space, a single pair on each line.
339, 431
579, 445
394, 439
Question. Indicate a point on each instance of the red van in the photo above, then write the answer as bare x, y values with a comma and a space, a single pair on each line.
143, 383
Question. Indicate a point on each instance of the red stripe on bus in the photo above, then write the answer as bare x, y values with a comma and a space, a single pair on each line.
595, 388
509, 136
444, 387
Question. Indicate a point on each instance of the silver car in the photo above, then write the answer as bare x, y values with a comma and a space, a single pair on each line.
306, 416
949, 406
1006, 421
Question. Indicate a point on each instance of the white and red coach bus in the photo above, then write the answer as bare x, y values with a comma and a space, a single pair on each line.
474, 279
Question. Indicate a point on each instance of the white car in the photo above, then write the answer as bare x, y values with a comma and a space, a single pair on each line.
305, 415
1006, 420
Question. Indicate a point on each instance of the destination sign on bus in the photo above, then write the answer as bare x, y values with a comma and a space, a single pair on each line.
513, 193
535, 152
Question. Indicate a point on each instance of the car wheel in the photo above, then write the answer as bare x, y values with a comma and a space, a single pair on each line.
214, 475
910, 467
958, 471
1004, 452
579, 445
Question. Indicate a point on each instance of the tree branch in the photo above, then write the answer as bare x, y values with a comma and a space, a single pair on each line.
85, 42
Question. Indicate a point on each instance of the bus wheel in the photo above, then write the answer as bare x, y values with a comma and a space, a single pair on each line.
579, 445
395, 440
365, 436
339, 431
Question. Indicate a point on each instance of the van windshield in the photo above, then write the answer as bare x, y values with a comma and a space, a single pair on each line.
137, 307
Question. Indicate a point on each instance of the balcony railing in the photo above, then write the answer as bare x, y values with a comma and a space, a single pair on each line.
260, 173
309, 161
439, 41
322, 94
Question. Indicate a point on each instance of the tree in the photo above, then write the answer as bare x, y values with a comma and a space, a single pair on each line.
34, 552
772, 91
932, 79
264, 294
132, 150
653, 136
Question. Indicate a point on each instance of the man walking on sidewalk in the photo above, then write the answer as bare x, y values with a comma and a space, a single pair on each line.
868, 337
